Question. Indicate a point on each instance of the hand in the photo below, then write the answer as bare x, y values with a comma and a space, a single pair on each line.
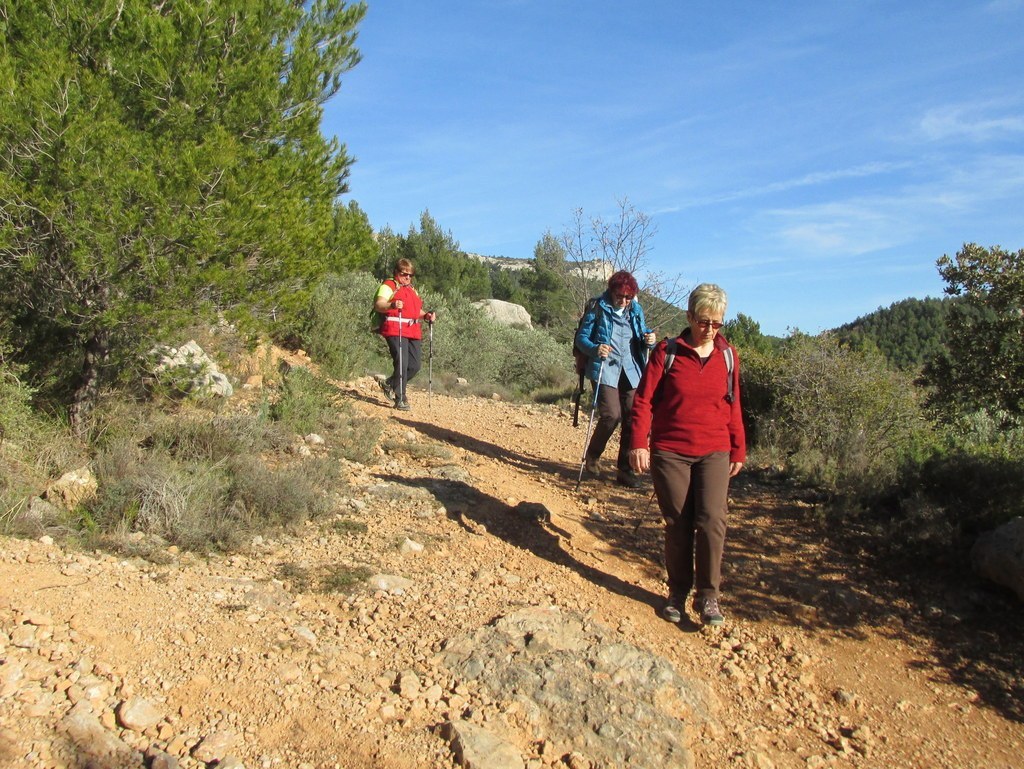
640, 460
604, 350
398, 304
650, 338
429, 316
734, 468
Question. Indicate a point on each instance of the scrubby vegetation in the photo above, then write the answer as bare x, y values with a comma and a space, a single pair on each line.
834, 417
142, 199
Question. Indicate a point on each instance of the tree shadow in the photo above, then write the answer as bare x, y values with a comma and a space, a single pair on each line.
840, 579
526, 525
784, 563
527, 463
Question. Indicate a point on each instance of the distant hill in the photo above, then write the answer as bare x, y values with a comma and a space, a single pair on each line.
907, 333
594, 270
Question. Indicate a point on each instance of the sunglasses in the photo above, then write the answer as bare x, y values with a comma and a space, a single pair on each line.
708, 323
405, 274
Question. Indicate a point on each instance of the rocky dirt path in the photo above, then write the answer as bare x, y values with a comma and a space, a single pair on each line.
470, 516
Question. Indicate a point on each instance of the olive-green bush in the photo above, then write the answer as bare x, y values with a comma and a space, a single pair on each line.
838, 418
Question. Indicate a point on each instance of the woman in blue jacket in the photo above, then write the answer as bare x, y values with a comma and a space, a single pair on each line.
614, 336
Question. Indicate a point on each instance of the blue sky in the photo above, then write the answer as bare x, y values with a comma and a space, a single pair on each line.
812, 157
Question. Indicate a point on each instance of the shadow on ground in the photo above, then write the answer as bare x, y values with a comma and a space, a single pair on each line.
786, 562
526, 525
783, 564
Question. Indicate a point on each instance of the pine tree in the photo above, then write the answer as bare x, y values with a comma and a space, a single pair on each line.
161, 162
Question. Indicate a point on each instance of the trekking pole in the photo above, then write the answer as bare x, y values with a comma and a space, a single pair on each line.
430, 360
647, 350
400, 378
643, 515
576, 397
590, 424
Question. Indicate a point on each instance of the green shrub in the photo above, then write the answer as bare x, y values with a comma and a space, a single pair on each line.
306, 402
976, 479
335, 578
465, 342
309, 404
842, 419
281, 497
348, 527
34, 450
344, 579
202, 480
493, 357
338, 332
355, 437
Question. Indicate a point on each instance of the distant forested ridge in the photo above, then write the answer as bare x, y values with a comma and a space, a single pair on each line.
908, 333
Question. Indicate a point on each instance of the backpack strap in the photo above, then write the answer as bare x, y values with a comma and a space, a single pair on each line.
592, 305
730, 365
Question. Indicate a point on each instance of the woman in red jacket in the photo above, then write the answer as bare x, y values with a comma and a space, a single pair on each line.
401, 311
688, 430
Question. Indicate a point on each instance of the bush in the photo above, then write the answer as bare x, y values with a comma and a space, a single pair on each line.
202, 481
842, 419
520, 361
306, 402
338, 331
281, 497
309, 404
33, 451
977, 477
465, 342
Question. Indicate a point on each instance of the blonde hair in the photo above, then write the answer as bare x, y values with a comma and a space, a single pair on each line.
707, 296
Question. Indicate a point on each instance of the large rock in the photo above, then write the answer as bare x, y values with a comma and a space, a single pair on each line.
73, 488
998, 556
505, 313
191, 370
579, 686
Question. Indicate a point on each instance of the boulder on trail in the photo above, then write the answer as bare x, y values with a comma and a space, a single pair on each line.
998, 555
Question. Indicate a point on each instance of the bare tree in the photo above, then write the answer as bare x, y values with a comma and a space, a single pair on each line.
595, 248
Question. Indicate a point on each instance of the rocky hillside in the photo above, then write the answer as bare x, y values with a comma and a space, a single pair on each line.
465, 606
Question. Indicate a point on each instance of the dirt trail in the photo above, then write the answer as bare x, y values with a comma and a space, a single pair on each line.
822, 662
897, 673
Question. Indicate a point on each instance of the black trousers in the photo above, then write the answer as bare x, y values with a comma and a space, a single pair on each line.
408, 350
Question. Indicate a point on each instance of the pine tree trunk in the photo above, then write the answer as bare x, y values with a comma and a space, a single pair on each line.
97, 351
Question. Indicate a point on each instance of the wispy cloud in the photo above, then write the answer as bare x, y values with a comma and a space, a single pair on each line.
848, 228
1004, 6
816, 178
871, 223
969, 121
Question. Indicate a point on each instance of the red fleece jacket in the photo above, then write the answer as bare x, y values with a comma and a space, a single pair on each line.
688, 413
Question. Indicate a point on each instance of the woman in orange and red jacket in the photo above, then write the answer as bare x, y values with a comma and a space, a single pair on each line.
402, 312
689, 432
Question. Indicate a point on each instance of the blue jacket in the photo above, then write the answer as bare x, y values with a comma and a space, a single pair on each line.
595, 329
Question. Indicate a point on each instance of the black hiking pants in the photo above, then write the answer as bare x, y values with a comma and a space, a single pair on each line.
410, 356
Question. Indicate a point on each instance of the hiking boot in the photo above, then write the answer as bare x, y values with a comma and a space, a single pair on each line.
672, 611
592, 465
403, 406
708, 610
629, 479
388, 388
